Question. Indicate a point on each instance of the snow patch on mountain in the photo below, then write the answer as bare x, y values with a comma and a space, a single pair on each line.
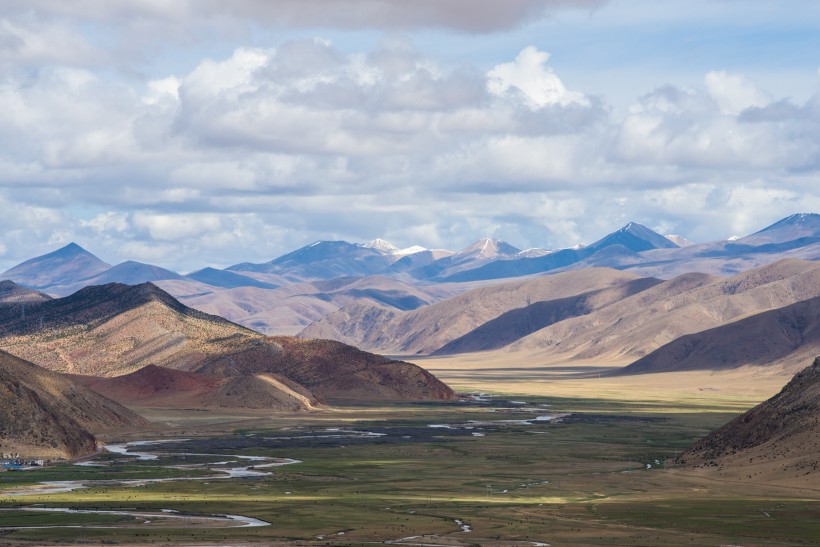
680, 241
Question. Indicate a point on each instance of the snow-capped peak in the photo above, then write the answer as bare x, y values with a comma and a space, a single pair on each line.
533, 252
381, 245
489, 248
400, 253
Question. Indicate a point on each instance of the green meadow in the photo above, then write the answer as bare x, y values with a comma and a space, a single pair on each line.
489, 474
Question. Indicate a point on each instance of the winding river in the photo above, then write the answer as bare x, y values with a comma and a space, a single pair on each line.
254, 468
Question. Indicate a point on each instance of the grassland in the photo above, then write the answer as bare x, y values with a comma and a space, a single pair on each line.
579, 481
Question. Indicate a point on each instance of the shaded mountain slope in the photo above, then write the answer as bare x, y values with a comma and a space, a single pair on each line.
518, 323
431, 327
131, 273
48, 415
226, 279
776, 440
690, 303
783, 336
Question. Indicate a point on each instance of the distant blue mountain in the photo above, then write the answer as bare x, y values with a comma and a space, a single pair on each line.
635, 237
323, 260
632, 238
64, 266
227, 279
131, 272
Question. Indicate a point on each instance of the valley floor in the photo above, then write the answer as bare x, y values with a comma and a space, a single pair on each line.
548, 457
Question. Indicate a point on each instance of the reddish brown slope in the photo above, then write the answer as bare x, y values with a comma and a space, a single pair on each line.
332, 370
155, 386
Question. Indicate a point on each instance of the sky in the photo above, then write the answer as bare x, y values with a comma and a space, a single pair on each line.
193, 133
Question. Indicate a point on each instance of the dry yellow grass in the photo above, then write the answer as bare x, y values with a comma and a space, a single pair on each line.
525, 374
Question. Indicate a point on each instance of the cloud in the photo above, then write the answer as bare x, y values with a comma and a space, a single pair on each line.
478, 16
733, 93
530, 76
30, 41
246, 155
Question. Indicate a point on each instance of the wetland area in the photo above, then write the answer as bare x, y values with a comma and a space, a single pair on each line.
496, 469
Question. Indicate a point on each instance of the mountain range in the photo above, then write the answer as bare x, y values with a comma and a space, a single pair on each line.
299, 288
594, 313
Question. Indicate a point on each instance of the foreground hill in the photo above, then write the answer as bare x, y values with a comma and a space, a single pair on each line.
45, 414
778, 440
429, 328
116, 329
785, 336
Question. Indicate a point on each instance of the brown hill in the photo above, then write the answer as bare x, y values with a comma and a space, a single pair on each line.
785, 336
163, 387
332, 370
690, 303
429, 328
116, 329
45, 414
12, 293
515, 324
778, 440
